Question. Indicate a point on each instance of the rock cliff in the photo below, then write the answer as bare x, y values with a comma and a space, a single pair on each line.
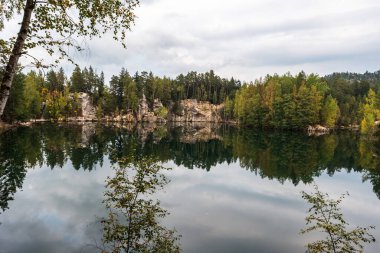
87, 110
143, 112
188, 110
191, 110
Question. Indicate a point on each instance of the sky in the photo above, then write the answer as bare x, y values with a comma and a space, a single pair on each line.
247, 39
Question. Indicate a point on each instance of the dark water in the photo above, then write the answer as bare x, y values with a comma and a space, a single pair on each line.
230, 190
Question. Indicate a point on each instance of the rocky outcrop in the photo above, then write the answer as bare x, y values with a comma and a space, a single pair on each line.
88, 111
191, 110
188, 110
157, 105
143, 113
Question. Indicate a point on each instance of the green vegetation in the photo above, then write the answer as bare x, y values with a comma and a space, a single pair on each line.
283, 156
330, 111
294, 102
55, 26
276, 102
133, 220
161, 112
53, 100
325, 215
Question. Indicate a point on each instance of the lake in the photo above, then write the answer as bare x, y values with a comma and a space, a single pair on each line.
230, 190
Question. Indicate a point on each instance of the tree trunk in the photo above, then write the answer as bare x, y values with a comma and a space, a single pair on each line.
10, 69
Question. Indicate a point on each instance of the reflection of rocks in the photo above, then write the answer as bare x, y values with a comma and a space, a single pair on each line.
317, 130
120, 125
191, 110
143, 130
129, 117
189, 132
192, 133
159, 133
88, 130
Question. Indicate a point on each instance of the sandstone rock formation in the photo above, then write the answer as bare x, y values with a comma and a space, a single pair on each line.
143, 113
157, 104
88, 110
192, 110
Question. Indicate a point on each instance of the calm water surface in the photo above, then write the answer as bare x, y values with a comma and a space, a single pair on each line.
230, 190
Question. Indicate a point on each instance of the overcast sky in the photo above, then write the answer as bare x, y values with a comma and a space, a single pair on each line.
246, 39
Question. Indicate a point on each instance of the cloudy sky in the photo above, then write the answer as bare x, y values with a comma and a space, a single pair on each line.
245, 38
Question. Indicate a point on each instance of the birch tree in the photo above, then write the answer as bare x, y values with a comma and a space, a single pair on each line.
56, 26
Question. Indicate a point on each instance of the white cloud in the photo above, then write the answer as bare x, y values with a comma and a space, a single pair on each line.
245, 38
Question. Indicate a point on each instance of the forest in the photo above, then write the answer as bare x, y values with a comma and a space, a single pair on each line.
274, 102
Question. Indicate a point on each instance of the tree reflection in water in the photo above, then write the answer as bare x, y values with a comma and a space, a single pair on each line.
281, 156
133, 220
325, 216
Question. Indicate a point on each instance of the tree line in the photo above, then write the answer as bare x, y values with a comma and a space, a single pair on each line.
295, 102
276, 101
54, 94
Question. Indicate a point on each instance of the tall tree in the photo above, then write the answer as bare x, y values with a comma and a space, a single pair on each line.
51, 82
330, 112
77, 80
61, 79
54, 25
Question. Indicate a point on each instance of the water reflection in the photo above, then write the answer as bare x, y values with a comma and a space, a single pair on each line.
133, 221
214, 204
325, 217
276, 155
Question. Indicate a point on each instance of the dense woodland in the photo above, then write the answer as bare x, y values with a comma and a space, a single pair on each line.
276, 101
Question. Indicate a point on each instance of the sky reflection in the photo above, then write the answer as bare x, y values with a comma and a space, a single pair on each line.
226, 209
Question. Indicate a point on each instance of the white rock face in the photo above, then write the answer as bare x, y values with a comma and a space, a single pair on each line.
197, 111
143, 113
190, 110
88, 111
157, 104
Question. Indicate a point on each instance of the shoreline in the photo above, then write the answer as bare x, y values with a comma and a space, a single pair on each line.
4, 126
